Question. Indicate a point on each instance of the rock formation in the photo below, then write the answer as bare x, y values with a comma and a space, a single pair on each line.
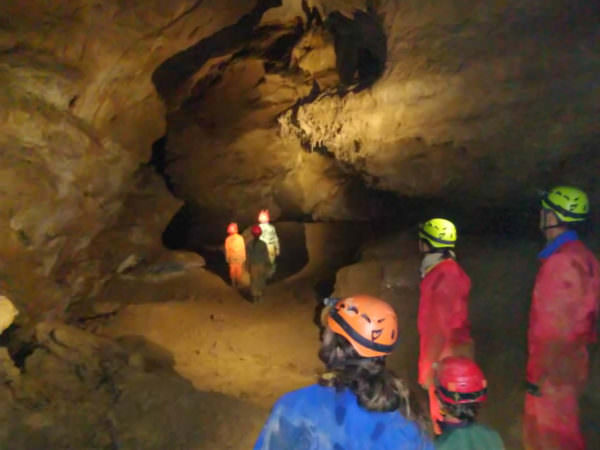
81, 391
315, 109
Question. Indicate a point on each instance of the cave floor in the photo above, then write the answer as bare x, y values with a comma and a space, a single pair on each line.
208, 333
213, 337
218, 340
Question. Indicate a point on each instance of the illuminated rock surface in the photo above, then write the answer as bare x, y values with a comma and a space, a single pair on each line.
115, 116
300, 107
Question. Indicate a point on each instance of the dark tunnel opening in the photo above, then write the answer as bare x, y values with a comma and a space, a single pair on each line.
159, 160
191, 230
360, 47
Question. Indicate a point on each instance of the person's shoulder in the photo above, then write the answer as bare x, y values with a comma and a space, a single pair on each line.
448, 268
493, 436
484, 428
394, 427
488, 438
454, 265
578, 248
564, 258
308, 393
409, 429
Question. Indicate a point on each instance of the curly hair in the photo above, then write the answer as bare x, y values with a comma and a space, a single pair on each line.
465, 412
375, 387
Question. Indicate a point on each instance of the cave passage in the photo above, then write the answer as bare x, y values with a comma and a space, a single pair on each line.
352, 121
360, 46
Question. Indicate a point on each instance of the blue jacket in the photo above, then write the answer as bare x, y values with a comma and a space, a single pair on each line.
321, 418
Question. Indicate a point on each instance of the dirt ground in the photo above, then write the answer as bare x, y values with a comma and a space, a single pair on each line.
212, 336
216, 339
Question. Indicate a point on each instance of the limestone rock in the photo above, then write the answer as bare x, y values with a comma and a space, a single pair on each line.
82, 391
129, 262
188, 260
106, 308
167, 265
8, 312
9, 373
438, 120
301, 107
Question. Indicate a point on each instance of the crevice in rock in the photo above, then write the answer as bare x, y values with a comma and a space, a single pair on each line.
19, 346
174, 236
279, 53
169, 76
159, 161
360, 47
312, 15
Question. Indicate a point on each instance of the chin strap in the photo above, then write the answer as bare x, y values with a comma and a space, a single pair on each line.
549, 227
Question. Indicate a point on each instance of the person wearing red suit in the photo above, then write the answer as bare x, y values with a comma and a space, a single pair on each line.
562, 322
235, 254
443, 323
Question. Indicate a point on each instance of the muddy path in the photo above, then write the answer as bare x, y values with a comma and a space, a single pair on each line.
218, 340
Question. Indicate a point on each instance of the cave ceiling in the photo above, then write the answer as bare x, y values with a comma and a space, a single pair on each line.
310, 108
477, 100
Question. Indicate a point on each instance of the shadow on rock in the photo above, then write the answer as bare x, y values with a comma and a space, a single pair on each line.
78, 390
145, 354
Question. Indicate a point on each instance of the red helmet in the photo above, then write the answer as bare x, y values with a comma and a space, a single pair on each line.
232, 228
263, 216
459, 380
256, 231
369, 324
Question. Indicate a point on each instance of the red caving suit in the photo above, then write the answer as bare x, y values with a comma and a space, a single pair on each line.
235, 254
562, 321
443, 322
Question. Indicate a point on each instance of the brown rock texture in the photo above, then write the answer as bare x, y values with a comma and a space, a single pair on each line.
480, 98
78, 390
79, 114
303, 107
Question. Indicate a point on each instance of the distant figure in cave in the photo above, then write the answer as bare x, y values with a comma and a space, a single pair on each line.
235, 254
258, 264
562, 322
443, 324
358, 403
270, 238
461, 388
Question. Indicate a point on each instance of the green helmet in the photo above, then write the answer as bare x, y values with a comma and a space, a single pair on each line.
439, 233
568, 203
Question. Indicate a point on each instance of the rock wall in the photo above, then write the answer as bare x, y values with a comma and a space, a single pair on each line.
303, 107
481, 101
79, 114
224, 150
79, 111
478, 98
124, 399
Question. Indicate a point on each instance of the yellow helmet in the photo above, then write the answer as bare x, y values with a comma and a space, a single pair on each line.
439, 233
568, 203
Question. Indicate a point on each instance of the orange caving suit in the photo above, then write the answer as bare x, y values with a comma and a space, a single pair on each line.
235, 254
562, 321
443, 322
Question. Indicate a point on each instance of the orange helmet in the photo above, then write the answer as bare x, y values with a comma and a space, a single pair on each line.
263, 216
256, 231
232, 228
369, 324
